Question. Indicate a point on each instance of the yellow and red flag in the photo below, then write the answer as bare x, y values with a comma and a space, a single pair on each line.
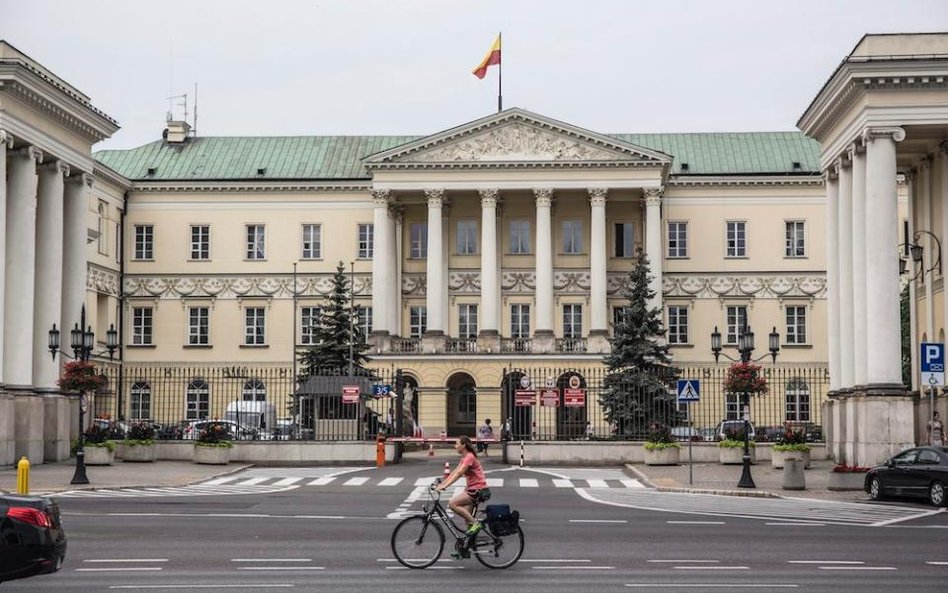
492, 57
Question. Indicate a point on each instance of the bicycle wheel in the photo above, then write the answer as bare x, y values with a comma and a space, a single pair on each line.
498, 552
417, 542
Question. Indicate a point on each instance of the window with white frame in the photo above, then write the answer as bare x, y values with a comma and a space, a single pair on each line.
254, 391
677, 239
309, 324
619, 315
736, 321
101, 223
796, 324
199, 326
312, 241
572, 236
519, 237
366, 241
417, 320
200, 241
140, 403
142, 318
796, 238
467, 321
198, 397
418, 240
732, 406
144, 241
572, 321
364, 321
736, 238
256, 242
798, 401
255, 322
677, 324
520, 321
467, 237
624, 240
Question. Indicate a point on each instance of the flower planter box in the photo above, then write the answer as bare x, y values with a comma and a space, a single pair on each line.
98, 455
735, 455
211, 455
777, 458
138, 453
846, 481
669, 456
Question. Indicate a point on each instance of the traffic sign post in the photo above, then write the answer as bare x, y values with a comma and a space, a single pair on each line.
933, 370
689, 392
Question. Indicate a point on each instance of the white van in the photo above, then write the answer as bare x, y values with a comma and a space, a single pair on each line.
261, 416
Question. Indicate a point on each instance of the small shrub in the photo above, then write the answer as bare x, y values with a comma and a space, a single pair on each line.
215, 435
654, 446
730, 443
140, 434
96, 437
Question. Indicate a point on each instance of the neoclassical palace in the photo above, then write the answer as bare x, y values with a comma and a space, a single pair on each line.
503, 243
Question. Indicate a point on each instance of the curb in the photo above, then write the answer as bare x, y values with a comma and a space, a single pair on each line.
690, 490
90, 488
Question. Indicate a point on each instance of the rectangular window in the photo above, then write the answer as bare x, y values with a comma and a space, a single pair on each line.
467, 321
312, 241
736, 321
572, 236
256, 241
736, 238
624, 240
141, 326
619, 315
519, 321
418, 249
677, 239
467, 237
254, 326
677, 324
418, 321
309, 323
732, 406
144, 241
366, 241
796, 238
102, 224
519, 237
572, 321
364, 321
200, 241
199, 326
796, 325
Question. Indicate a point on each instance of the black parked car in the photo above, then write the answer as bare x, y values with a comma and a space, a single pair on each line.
32, 540
922, 471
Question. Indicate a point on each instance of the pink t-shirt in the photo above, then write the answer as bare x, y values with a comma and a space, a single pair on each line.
475, 472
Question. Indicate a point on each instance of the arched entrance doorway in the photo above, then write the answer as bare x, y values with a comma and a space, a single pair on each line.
571, 414
462, 405
521, 417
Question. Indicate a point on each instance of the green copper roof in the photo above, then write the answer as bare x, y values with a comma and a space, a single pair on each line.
340, 157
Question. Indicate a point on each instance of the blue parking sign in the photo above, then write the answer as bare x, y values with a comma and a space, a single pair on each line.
933, 364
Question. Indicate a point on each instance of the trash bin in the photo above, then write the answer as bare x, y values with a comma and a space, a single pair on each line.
793, 478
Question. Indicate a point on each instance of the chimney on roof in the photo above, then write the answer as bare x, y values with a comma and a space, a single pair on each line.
176, 132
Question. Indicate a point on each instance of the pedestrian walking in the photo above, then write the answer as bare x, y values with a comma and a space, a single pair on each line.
486, 431
936, 431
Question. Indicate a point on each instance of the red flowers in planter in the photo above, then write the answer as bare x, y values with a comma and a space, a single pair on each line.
842, 468
81, 376
745, 377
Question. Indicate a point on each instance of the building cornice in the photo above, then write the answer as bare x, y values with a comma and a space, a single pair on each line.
814, 180
518, 165
245, 186
109, 175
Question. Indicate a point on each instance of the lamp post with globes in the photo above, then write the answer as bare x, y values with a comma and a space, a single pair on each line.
82, 343
745, 346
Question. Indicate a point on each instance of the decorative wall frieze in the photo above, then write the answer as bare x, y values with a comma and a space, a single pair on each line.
736, 285
232, 287
102, 280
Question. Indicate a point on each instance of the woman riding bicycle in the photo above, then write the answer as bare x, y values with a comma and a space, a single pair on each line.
476, 490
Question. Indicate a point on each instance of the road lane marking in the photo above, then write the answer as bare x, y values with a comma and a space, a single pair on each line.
281, 568
193, 586
711, 567
687, 561
597, 483
825, 562
551, 560
857, 568
632, 483
795, 524
119, 569
429, 568
714, 585
322, 481
529, 483
390, 481
271, 560
251, 482
937, 563
695, 522
127, 560
573, 567
287, 481
561, 483
495, 482
598, 521
355, 481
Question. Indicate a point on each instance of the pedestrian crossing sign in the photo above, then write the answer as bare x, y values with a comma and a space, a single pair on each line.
689, 390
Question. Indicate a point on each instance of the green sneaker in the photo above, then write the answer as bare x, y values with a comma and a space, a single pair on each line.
474, 528
461, 554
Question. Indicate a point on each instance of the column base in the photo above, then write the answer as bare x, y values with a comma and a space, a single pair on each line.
544, 341
433, 342
380, 342
7, 428
56, 443
598, 342
872, 426
488, 341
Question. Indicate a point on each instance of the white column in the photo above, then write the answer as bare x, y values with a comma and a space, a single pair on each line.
490, 291
395, 303
6, 141
859, 266
49, 270
884, 366
598, 320
653, 242
435, 264
382, 263
20, 271
832, 277
903, 253
926, 223
943, 198
544, 262
75, 265
845, 274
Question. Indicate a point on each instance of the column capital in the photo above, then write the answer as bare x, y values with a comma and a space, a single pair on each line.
943, 148
30, 151
597, 195
895, 133
6, 138
57, 166
489, 197
653, 195
80, 178
842, 161
830, 173
435, 197
380, 197
544, 197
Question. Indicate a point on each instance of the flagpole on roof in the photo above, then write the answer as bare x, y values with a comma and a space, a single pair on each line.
500, 75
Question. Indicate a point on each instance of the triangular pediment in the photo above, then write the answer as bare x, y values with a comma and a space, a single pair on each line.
516, 136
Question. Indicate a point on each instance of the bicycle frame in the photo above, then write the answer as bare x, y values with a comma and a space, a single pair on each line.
436, 508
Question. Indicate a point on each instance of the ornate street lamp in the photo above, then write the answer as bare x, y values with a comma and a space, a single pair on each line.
745, 346
82, 343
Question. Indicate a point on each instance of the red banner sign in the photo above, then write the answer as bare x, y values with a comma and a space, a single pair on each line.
574, 397
550, 398
350, 394
525, 397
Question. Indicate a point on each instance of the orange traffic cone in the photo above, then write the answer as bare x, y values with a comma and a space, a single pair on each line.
447, 469
430, 449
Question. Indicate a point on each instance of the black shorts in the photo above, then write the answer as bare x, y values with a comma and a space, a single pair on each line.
482, 495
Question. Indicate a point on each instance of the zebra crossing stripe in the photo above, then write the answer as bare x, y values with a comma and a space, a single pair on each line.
321, 481
355, 481
219, 481
631, 483
390, 481
529, 483
252, 481
597, 483
561, 483
495, 482
287, 481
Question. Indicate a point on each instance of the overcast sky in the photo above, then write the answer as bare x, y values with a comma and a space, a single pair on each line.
283, 67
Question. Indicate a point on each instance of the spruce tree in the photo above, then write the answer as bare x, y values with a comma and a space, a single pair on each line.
329, 352
638, 385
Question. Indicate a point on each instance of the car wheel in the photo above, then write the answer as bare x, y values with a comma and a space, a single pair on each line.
875, 489
936, 494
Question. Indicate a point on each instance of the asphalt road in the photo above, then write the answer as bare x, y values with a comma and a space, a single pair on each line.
335, 537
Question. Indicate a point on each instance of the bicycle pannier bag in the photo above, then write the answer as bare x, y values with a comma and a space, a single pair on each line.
501, 520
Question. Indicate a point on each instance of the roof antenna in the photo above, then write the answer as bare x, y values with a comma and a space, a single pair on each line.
194, 132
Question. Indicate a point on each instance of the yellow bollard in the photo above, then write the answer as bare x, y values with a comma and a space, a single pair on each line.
23, 476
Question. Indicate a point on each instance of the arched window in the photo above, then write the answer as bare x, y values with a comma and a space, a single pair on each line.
255, 391
199, 399
798, 401
140, 401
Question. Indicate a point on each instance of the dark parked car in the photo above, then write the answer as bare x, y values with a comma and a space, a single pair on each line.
32, 540
922, 471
